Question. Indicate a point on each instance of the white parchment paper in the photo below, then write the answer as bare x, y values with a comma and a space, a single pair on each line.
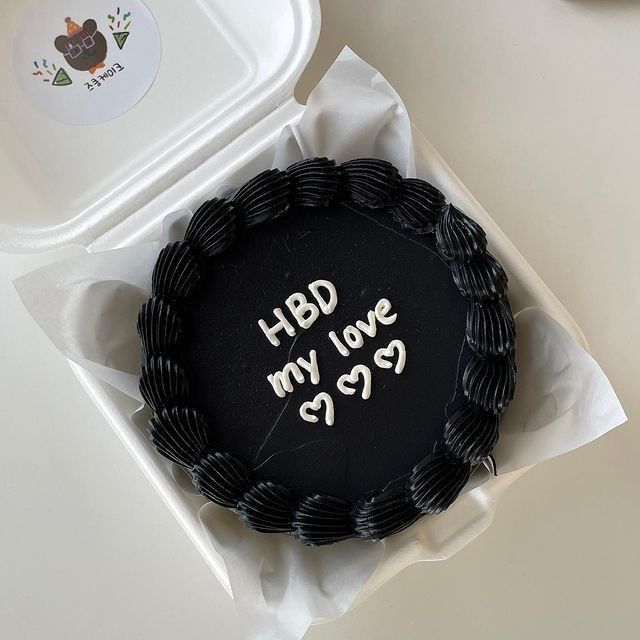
88, 307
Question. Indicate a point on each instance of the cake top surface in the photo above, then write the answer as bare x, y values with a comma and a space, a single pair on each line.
328, 353
229, 357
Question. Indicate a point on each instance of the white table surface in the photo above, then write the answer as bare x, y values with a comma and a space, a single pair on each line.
536, 106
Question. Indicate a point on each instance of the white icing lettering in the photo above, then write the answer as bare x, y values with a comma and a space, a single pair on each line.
360, 370
281, 380
382, 308
369, 328
381, 354
338, 345
326, 306
271, 332
315, 405
352, 337
311, 366
305, 313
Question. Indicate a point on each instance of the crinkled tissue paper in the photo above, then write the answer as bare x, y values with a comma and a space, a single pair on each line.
88, 306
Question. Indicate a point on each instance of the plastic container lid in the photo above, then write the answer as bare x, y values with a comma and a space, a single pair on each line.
224, 66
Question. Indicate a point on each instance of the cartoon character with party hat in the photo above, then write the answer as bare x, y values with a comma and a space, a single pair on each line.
84, 47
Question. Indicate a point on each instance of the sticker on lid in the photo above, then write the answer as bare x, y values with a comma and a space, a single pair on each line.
86, 61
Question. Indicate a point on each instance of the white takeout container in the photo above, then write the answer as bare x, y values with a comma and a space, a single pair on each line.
184, 142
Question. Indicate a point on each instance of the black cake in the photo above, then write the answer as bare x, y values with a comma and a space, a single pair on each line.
329, 352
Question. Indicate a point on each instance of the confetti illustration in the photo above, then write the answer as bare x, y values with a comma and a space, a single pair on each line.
60, 79
120, 34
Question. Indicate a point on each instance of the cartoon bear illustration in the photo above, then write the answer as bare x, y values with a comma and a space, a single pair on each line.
84, 47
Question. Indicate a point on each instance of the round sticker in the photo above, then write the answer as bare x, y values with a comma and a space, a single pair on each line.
86, 61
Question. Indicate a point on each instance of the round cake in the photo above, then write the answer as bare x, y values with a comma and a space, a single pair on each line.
328, 352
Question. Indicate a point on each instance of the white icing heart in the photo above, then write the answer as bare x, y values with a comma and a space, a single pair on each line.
356, 372
315, 405
381, 354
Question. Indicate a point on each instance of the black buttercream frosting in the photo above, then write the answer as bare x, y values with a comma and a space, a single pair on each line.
410, 448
